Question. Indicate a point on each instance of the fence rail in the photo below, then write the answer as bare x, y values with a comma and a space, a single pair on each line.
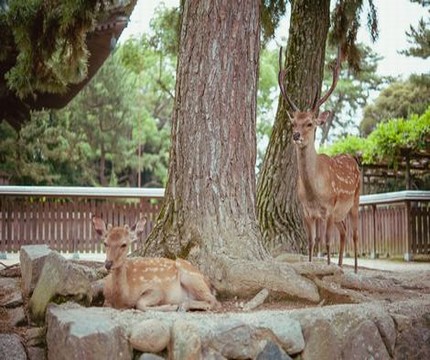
392, 224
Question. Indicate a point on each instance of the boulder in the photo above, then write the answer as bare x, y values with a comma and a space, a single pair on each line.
243, 341
185, 342
11, 347
365, 342
321, 342
32, 259
10, 293
150, 336
75, 332
17, 316
59, 280
413, 340
272, 351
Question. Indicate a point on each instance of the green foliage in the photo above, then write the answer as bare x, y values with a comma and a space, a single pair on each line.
389, 141
103, 114
49, 40
346, 22
43, 153
392, 138
117, 126
419, 37
350, 144
165, 30
400, 99
271, 12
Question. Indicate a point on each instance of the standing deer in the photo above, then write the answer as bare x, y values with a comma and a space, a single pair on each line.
328, 187
149, 283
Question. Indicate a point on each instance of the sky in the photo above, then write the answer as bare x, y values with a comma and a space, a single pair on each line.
395, 17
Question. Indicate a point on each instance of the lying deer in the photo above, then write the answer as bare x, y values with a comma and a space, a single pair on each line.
328, 187
149, 283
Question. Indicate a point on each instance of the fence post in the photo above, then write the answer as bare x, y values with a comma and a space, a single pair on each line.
408, 255
374, 254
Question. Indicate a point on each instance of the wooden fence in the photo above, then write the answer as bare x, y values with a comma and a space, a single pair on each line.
392, 224
61, 217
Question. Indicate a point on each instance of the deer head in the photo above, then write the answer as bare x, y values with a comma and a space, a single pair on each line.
117, 240
305, 122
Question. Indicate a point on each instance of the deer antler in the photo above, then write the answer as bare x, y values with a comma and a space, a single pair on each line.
281, 79
336, 72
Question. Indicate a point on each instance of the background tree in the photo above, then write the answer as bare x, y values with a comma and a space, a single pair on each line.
352, 93
419, 37
279, 213
42, 153
95, 139
103, 114
399, 100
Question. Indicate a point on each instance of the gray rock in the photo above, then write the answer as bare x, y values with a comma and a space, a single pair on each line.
239, 342
36, 353
365, 342
210, 354
147, 356
387, 330
150, 336
10, 295
288, 331
321, 342
32, 259
17, 316
59, 278
413, 341
84, 333
11, 347
272, 351
257, 300
185, 341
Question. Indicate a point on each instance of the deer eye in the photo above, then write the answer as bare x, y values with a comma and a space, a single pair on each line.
309, 125
105, 244
123, 245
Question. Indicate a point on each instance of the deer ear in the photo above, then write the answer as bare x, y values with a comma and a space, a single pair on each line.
322, 118
99, 225
139, 227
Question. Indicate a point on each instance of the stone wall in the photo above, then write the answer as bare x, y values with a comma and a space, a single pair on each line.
76, 329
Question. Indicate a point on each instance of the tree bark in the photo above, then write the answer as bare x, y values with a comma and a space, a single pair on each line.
279, 212
209, 206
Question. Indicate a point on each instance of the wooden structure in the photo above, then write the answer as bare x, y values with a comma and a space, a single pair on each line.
61, 217
391, 224
394, 224
109, 26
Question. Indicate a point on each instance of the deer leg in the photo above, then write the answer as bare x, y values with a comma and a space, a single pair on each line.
200, 296
328, 236
311, 232
341, 226
354, 222
150, 299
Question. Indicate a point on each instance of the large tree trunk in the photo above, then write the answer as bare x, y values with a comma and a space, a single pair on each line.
279, 213
209, 212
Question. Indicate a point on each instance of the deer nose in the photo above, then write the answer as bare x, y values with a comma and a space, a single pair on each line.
108, 264
296, 136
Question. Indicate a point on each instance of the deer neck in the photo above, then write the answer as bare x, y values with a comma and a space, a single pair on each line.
119, 276
307, 166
